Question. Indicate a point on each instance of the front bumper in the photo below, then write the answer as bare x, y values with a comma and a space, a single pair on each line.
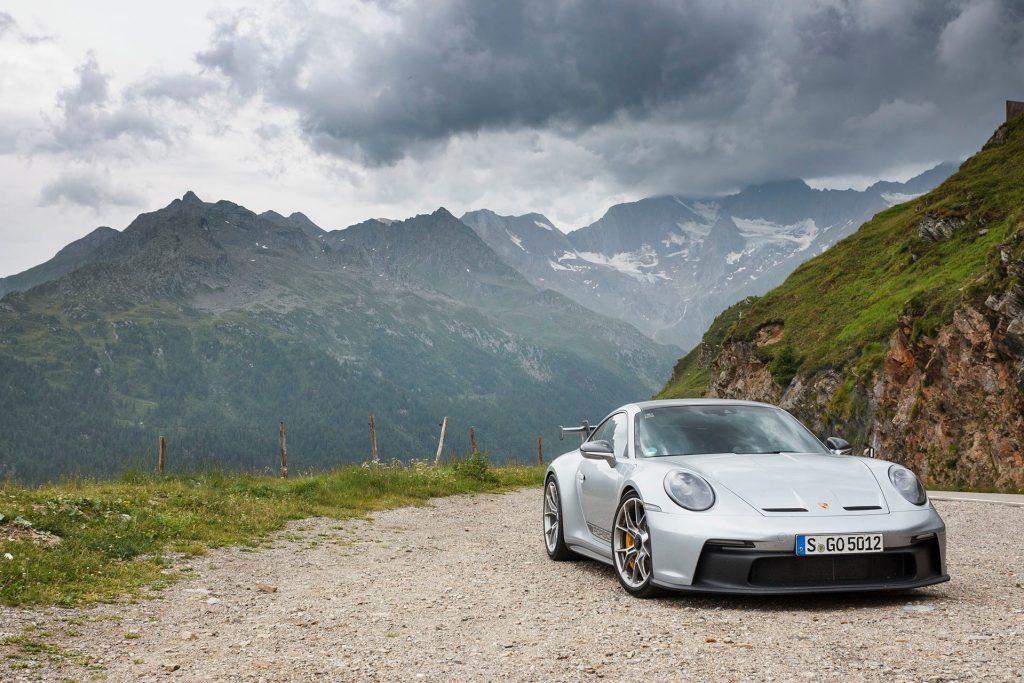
689, 553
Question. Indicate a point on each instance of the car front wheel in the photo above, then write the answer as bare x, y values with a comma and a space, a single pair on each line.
631, 547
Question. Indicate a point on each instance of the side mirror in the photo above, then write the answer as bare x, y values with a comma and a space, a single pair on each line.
839, 446
598, 450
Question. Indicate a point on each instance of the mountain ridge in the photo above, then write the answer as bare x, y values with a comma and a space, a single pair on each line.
644, 260
70, 257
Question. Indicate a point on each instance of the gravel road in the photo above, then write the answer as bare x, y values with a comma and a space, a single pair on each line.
462, 590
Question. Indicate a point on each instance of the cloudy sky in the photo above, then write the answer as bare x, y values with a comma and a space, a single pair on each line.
347, 110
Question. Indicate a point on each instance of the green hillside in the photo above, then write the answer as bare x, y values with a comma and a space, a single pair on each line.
839, 308
208, 324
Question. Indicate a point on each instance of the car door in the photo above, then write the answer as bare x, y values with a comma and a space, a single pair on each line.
598, 482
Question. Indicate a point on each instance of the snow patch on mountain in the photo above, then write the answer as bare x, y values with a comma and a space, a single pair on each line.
801, 234
674, 239
706, 210
631, 263
516, 239
690, 232
555, 265
546, 226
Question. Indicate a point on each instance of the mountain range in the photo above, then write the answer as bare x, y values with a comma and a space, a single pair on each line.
208, 323
669, 264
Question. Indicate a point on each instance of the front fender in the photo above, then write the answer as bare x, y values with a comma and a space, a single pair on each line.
648, 480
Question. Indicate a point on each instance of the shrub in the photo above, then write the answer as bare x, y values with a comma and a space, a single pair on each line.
785, 365
475, 466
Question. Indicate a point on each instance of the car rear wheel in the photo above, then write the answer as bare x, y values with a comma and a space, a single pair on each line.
554, 536
631, 548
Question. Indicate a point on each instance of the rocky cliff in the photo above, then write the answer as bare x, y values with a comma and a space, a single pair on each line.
907, 337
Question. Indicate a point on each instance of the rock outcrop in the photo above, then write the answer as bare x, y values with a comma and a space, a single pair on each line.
949, 405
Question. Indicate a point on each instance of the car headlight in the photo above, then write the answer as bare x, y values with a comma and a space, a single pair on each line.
689, 491
904, 481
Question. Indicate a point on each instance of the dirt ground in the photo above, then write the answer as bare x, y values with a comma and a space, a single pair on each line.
462, 590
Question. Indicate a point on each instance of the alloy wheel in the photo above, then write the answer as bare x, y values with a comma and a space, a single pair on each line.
552, 516
631, 544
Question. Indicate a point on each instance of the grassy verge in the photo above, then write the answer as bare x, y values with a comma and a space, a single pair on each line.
116, 538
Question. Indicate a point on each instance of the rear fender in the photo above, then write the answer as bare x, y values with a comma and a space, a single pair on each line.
564, 469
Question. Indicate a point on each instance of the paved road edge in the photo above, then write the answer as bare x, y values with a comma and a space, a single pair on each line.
964, 496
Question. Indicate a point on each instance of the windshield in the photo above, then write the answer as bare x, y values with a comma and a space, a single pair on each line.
689, 430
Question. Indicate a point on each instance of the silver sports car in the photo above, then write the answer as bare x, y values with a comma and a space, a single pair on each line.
737, 497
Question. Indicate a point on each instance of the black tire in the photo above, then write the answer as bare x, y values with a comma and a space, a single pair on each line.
554, 543
643, 588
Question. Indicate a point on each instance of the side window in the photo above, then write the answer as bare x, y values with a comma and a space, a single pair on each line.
604, 431
620, 441
613, 430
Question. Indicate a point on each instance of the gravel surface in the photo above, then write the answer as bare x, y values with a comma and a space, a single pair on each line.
462, 590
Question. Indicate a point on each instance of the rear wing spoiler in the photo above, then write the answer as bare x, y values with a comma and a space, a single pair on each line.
584, 430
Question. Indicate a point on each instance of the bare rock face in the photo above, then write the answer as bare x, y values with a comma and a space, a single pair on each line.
935, 227
738, 373
999, 137
770, 333
950, 406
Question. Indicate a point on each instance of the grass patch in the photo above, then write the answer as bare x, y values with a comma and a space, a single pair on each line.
27, 648
116, 537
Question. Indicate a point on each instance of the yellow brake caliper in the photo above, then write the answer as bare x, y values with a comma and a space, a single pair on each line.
629, 544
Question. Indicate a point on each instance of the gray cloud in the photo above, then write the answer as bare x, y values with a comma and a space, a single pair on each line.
7, 24
89, 115
9, 28
89, 189
672, 95
183, 88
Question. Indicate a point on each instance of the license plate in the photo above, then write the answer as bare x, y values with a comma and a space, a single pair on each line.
838, 545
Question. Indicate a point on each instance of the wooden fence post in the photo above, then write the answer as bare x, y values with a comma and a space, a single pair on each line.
373, 440
472, 439
540, 451
440, 443
284, 451
162, 459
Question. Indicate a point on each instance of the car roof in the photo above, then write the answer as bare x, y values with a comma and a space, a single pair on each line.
664, 403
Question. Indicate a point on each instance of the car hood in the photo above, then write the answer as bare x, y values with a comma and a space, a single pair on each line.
794, 483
